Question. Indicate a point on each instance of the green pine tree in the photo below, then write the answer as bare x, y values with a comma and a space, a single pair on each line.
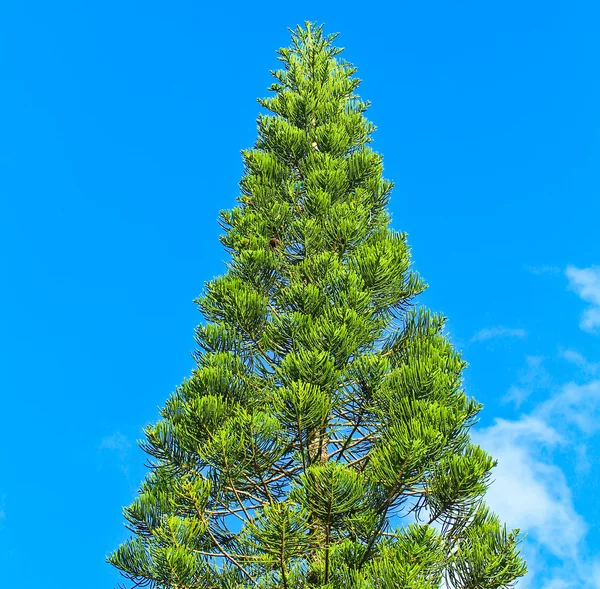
323, 439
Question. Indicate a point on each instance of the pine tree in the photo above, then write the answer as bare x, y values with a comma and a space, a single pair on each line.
323, 439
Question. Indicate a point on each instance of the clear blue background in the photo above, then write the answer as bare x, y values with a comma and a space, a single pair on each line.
120, 130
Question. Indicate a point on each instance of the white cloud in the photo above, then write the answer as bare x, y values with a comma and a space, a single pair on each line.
529, 493
532, 494
590, 319
499, 331
575, 404
586, 283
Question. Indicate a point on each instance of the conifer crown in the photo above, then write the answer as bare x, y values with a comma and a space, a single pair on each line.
323, 439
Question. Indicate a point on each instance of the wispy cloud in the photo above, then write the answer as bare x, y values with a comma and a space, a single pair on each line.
498, 331
116, 441
579, 360
118, 445
533, 378
582, 461
540, 270
586, 283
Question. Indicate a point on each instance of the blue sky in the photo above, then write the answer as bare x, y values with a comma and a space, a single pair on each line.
121, 128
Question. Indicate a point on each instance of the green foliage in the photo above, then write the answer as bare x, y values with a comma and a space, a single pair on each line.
326, 406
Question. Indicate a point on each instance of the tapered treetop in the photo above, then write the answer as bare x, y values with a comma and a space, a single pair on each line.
323, 440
